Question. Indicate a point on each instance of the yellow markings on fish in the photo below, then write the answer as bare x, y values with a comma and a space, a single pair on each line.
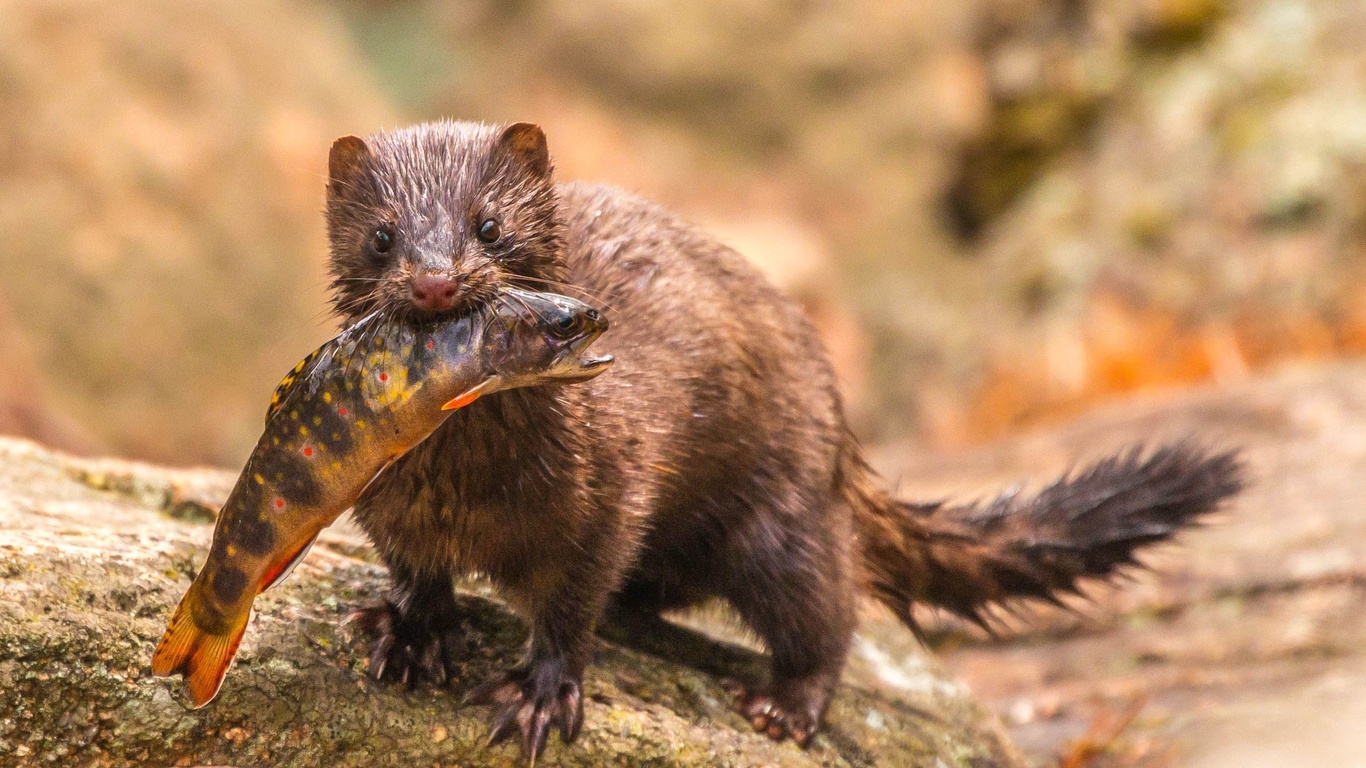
232, 551
327, 397
257, 477
387, 384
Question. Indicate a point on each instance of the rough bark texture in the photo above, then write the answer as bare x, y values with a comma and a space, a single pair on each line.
94, 554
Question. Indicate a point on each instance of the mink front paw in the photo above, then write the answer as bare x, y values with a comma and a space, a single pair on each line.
408, 648
529, 699
778, 720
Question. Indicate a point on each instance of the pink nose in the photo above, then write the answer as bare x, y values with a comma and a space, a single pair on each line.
433, 293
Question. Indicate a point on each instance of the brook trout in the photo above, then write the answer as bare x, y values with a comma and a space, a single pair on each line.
336, 421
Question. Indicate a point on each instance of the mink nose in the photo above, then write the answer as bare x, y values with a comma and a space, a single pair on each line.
433, 293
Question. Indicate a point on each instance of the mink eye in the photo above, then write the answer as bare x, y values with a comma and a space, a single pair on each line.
489, 231
382, 240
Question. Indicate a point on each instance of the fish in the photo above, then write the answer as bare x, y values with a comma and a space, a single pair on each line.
336, 421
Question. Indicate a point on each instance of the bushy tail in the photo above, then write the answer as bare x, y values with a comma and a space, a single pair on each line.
1088, 525
203, 657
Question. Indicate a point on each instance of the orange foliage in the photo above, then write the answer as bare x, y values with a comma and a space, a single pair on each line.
1120, 346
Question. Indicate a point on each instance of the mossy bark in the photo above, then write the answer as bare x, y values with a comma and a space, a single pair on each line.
93, 556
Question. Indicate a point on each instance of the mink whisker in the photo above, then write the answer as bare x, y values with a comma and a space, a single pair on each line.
561, 286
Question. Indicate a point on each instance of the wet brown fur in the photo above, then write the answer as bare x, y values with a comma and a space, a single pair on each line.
712, 461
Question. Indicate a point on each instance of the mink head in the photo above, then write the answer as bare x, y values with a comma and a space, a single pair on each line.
435, 218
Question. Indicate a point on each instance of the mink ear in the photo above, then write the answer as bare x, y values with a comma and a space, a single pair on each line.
525, 143
347, 163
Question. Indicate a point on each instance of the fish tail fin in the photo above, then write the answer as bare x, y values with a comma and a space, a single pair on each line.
200, 656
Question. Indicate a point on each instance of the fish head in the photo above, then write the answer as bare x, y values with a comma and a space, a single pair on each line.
544, 339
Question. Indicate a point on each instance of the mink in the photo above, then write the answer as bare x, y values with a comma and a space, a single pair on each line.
714, 461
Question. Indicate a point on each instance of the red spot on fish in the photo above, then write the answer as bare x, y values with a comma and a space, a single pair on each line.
431, 344
342, 411
308, 450
383, 376
279, 503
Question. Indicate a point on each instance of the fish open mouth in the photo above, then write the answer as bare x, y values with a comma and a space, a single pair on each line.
574, 366
588, 367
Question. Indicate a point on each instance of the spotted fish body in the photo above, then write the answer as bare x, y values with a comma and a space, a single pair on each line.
337, 420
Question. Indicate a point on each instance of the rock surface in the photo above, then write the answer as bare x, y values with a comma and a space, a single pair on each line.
94, 554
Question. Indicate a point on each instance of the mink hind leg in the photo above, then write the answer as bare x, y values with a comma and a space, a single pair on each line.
415, 630
797, 593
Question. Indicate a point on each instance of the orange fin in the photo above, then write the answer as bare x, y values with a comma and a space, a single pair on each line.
280, 570
202, 658
471, 395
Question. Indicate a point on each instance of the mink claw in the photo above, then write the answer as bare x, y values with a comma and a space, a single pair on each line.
432, 660
531, 704
570, 711
504, 725
767, 716
379, 656
535, 733
406, 651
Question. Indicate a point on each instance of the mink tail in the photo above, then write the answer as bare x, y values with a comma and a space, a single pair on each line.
968, 559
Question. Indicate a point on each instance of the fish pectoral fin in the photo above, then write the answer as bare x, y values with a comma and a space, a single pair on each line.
203, 658
285, 566
472, 394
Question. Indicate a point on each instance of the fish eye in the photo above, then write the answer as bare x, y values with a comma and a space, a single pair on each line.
382, 240
489, 231
567, 325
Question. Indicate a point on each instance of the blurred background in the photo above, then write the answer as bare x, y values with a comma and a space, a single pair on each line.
999, 211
